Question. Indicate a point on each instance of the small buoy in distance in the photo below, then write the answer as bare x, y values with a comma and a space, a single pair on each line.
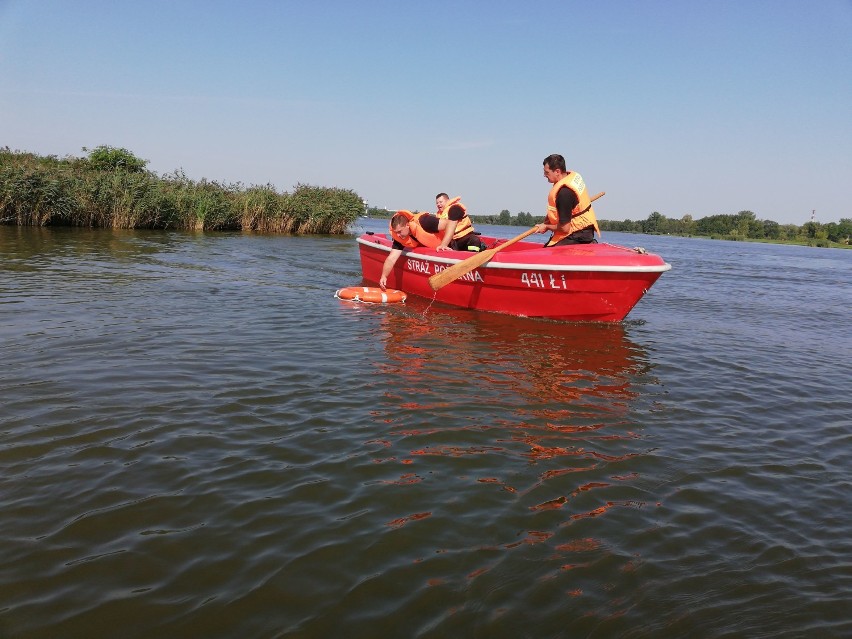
370, 294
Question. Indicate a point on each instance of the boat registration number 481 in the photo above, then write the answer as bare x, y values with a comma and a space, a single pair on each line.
538, 280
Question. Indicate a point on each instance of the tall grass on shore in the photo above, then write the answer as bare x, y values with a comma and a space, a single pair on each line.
111, 188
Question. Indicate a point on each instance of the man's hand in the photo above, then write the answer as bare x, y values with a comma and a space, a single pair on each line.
387, 267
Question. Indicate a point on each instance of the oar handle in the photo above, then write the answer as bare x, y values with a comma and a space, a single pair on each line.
518, 238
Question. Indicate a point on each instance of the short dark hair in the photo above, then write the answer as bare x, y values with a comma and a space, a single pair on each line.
554, 162
399, 220
442, 195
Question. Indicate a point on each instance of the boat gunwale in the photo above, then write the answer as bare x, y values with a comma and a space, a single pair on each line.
656, 268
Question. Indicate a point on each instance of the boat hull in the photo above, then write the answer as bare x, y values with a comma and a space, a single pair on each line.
584, 282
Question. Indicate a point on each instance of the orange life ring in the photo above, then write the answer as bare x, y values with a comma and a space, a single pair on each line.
371, 294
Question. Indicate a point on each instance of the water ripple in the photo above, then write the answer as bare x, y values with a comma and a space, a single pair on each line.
198, 439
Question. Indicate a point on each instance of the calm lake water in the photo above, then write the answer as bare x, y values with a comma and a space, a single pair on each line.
198, 440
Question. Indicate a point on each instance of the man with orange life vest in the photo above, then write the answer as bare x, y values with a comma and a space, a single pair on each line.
569, 211
459, 234
410, 230
449, 229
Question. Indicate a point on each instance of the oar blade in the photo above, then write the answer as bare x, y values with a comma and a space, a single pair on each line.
439, 280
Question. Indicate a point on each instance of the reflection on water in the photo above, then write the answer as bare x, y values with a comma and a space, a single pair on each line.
23, 245
458, 376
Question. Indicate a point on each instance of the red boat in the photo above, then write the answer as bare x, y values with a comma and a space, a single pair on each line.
583, 282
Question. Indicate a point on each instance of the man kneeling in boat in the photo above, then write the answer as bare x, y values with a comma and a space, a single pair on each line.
569, 210
459, 234
410, 230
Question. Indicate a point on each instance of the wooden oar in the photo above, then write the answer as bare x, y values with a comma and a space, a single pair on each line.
454, 272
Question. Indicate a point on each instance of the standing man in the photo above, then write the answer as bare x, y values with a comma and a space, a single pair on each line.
569, 211
459, 234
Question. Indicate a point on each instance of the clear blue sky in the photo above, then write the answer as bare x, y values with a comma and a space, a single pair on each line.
677, 107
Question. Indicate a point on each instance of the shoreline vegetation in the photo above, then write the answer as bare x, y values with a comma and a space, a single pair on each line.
111, 188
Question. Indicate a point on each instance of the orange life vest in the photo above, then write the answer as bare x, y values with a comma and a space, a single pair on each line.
418, 236
583, 215
464, 226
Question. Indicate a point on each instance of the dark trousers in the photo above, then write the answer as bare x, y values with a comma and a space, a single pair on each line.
584, 236
469, 242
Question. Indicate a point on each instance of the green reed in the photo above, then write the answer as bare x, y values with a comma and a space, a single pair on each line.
112, 189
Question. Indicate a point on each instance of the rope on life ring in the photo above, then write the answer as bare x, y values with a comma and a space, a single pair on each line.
370, 294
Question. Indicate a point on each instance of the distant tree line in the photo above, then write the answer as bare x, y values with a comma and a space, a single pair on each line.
504, 218
111, 188
743, 225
